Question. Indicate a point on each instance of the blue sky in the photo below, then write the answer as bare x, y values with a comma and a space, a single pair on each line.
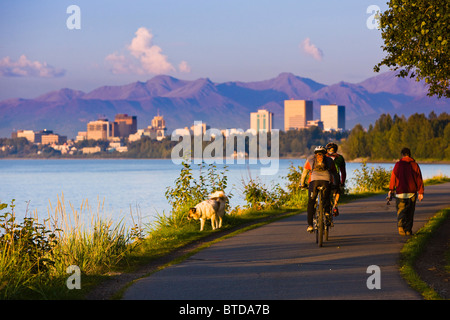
120, 42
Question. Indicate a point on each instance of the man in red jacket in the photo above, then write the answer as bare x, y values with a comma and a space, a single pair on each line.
406, 180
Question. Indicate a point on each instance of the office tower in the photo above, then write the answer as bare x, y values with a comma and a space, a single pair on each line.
297, 113
99, 130
333, 117
261, 121
124, 125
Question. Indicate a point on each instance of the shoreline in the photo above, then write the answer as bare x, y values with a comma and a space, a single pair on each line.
358, 160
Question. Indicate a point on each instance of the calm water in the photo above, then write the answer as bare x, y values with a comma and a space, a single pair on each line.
124, 185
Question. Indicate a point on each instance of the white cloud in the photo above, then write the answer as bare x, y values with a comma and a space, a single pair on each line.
143, 57
120, 65
184, 67
311, 49
27, 68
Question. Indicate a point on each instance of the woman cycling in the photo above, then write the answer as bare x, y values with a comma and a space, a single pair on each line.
323, 173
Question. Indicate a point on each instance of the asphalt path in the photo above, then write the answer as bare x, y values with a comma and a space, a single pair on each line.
281, 261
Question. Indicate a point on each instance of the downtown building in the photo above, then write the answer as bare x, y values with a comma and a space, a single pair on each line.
102, 129
297, 113
124, 125
261, 121
333, 117
156, 131
40, 137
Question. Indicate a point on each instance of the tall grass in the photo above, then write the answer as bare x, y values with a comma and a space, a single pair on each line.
95, 245
34, 256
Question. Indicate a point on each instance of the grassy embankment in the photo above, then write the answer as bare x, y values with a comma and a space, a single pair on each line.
415, 246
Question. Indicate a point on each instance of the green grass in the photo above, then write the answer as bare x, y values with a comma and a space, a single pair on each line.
437, 180
34, 255
414, 247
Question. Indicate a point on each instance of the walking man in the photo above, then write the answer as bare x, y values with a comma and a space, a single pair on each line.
406, 180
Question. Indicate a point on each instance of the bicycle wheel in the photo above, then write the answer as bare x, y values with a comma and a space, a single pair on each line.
320, 229
316, 231
320, 221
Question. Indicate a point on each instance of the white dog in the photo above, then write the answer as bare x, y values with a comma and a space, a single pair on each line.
213, 209
222, 199
205, 210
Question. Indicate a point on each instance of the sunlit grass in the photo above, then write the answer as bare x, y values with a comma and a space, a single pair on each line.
35, 255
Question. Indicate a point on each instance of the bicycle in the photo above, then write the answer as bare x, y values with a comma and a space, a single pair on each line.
321, 223
321, 227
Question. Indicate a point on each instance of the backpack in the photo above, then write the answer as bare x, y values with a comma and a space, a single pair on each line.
323, 167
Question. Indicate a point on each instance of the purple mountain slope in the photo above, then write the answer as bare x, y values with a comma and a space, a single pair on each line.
220, 105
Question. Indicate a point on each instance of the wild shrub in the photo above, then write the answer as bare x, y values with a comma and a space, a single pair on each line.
26, 252
188, 191
371, 179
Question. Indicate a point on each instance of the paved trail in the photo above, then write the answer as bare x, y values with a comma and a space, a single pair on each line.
281, 261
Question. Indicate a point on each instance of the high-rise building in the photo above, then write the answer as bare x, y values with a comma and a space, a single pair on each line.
261, 121
99, 130
159, 126
158, 122
297, 113
333, 117
124, 125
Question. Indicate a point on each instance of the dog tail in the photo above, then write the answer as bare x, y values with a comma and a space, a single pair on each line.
217, 194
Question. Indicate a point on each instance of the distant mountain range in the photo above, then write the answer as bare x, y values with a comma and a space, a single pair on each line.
219, 105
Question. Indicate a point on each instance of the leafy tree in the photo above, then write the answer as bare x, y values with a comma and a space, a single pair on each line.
415, 37
447, 138
428, 138
356, 145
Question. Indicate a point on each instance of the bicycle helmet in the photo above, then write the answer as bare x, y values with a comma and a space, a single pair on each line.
320, 149
332, 145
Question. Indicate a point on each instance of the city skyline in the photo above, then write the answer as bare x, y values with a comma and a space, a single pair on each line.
298, 115
118, 42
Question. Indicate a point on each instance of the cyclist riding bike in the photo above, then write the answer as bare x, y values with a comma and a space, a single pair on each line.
339, 161
323, 173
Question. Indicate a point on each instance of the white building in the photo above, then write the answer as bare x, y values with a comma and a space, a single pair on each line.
333, 117
261, 121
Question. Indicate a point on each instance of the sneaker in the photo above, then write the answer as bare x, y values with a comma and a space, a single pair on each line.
401, 231
310, 229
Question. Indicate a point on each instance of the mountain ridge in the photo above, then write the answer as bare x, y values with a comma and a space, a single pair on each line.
219, 105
